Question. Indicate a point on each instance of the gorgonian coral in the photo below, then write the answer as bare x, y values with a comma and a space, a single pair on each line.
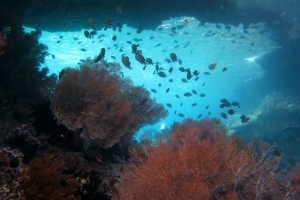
104, 105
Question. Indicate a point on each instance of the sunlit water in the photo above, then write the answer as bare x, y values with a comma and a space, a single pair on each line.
197, 45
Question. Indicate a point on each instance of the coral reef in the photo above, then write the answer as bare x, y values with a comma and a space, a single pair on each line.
106, 107
199, 162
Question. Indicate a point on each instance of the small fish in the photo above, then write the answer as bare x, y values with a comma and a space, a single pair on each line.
212, 66
189, 74
181, 104
169, 105
171, 69
86, 34
177, 96
235, 104
224, 115
173, 57
149, 61
207, 107
203, 84
199, 116
207, 73
129, 42
187, 94
180, 115
143, 101
171, 80
222, 105
184, 80
113, 57
225, 69
194, 104
83, 49
175, 112
153, 90
224, 101
180, 61
108, 104
202, 95
152, 37
194, 91
159, 85
168, 60
231, 112
125, 61
53, 56
58, 41
167, 90
181, 69
244, 119
75, 38
196, 72
158, 44
162, 74
196, 79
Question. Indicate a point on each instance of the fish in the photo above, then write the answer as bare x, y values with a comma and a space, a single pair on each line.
152, 37
235, 104
168, 60
167, 90
171, 69
101, 55
202, 95
125, 61
194, 104
187, 94
61, 36
224, 101
194, 91
173, 57
129, 42
139, 57
92, 23
156, 67
244, 119
181, 69
108, 104
175, 112
189, 74
180, 115
196, 72
222, 105
149, 61
114, 38
75, 38
159, 85
86, 34
134, 47
158, 44
58, 41
143, 101
153, 90
162, 74
184, 80
83, 49
53, 56
180, 61
171, 80
169, 105
207, 73
231, 112
199, 116
225, 69
212, 66
6, 30
203, 84
224, 115
206, 107
177, 96
113, 57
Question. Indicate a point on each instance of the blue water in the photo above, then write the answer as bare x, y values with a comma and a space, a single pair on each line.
198, 45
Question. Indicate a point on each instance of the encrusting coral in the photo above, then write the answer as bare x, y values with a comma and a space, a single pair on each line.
106, 107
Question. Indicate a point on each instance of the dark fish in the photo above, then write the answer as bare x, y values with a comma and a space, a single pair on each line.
231, 112
129, 42
167, 90
194, 104
149, 61
143, 101
196, 73
152, 37
139, 57
180, 61
187, 94
125, 61
203, 84
153, 90
168, 60
180, 115
121, 49
86, 34
202, 95
224, 69
224, 101
175, 112
199, 116
162, 74
169, 105
173, 57
53, 56
113, 57
75, 38
196, 79
209, 113
212, 66
206, 73
144, 67
244, 119
176, 46
157, 67
101, 55
134, 47
159, 85
181, 69
222, 105
235, 104
61, 74
194, 91
207, 107
184, 80
227, 104
108, 104
61, 36
83, 49
224, 115
62, 182
58, 41
171, 69
158, 44
177, 96
189, 74
171, 80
